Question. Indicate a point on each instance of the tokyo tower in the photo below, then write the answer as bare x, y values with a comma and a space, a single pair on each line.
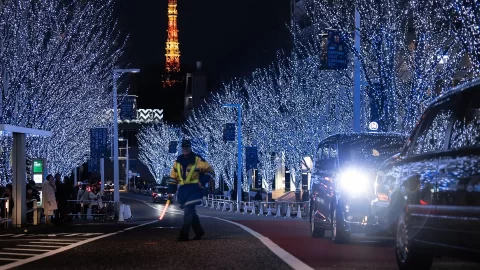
172, 50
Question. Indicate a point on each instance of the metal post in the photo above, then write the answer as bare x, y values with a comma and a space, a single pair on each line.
116, 182
357, 77
75, 180
116, 190
102, 174
127, 181
19, 177
239, 158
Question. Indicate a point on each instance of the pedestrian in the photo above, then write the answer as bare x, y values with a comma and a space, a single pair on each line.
48, 198
187, 171
62, 197
83, 198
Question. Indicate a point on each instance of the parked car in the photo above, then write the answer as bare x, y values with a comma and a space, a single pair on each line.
159, 194
430, 192
342, 182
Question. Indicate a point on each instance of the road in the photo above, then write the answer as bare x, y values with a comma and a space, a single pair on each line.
232, 241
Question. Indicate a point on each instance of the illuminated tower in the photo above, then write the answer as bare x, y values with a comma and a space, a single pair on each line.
172, 50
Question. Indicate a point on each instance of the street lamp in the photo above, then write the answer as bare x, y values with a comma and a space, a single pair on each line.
239, 154
127, 178
117, 73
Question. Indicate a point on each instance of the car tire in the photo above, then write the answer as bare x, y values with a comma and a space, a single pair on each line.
339, 235
408, 257
316, 232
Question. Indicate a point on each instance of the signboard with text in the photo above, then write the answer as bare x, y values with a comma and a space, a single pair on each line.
229, 132
251, 155
98, 148
334, 52
128, 108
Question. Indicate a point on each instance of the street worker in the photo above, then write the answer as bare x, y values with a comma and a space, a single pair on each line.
190, 172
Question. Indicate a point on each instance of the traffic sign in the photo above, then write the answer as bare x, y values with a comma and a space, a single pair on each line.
172, 147
229, 132
251, 154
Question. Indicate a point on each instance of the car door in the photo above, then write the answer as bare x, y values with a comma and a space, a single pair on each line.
458, 204
323, 178
420, 179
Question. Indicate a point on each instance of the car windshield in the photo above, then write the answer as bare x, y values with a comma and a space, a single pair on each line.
369, 150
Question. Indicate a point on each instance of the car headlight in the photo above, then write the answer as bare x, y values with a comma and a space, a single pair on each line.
354, 181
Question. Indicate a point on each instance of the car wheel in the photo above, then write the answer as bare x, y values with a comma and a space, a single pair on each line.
407, 256
339, 235
316, 232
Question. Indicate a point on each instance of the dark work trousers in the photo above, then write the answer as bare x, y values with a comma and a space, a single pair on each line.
190, 219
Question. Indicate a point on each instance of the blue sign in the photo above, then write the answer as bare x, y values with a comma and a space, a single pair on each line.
133, 164
377, 105
334, 54
128, 108
258, 180
98, 148
172, 147
251, 155
229, 132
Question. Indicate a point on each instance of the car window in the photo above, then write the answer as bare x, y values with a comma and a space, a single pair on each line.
466, 126
431, 137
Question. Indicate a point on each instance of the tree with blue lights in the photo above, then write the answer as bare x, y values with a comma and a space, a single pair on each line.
55, 65
153, 142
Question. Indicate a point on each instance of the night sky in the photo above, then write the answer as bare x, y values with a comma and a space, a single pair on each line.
230, 37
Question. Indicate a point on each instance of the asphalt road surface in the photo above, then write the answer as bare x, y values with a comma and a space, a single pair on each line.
144, 242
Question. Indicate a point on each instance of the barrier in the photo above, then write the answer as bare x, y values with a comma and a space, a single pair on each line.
104, 212
278, 212
5, 216
121, 210
289, 213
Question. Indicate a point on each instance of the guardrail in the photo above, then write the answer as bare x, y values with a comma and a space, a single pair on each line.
5, 215
104, 210
284, 209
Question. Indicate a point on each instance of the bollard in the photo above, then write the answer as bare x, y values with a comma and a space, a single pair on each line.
120, 213
279, 210
231, 207
269, 211
260, 212
218, 205
253, 209
224, 208
35, 213
299, 212
213, 204
239, 205
289, 214
128, 212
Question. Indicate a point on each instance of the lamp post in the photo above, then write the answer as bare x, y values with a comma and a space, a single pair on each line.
127, 169
117, 73
239, 154
357, 77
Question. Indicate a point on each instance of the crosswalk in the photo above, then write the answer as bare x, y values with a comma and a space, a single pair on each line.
24, 250
26, 235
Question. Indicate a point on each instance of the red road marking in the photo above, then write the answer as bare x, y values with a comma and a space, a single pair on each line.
294, 237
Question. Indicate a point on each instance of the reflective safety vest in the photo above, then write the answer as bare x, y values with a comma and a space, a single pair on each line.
189, 179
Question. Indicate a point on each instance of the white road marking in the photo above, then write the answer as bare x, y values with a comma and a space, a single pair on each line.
40, 246
90, 234
4, 235
280, 252
18, 235
51, 243
170, 211
73, 234
27, 249
60, 240
19, 254
49, 253
7, 259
